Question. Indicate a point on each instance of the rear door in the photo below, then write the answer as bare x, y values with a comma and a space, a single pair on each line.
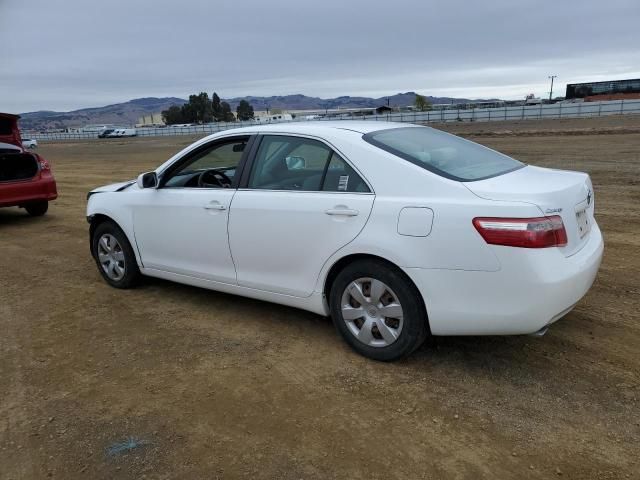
300, 202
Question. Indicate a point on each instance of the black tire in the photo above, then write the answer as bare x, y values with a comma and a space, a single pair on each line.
132, 274
415, 327
37, 209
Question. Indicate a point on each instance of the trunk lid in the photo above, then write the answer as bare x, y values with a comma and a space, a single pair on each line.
9, 132
554, 192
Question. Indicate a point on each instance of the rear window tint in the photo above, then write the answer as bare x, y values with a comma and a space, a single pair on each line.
442, 153
6, 126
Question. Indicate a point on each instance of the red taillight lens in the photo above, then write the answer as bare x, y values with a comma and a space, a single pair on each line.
44, 165
537, 232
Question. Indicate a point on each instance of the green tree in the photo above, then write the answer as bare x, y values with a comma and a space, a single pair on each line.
225, 113
173, 115
188, 113
421, 103
200, 108
216, 107
244, 111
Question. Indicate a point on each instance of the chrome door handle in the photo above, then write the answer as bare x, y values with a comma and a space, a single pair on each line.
215, 206
346, 212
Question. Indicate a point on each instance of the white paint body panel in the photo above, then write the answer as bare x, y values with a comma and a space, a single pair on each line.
184, 231
280, 240
415, 221
280, 246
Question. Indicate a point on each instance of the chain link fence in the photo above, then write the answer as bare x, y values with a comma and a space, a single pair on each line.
527, 112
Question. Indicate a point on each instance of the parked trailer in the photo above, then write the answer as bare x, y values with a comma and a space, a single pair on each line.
123, 132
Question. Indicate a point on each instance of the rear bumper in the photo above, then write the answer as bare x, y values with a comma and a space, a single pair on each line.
42, 187
533, 289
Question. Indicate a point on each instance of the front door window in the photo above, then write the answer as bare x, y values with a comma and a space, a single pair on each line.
210, 167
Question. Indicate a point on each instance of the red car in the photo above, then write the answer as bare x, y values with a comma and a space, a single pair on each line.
26, 179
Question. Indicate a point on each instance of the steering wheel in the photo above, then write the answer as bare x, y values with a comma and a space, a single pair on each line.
213, 178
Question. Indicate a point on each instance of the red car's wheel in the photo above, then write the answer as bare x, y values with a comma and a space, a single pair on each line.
37, 209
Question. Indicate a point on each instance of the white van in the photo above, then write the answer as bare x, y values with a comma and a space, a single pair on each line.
123, 132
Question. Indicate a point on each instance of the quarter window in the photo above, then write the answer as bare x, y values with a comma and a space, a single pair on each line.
296, 163
341, 177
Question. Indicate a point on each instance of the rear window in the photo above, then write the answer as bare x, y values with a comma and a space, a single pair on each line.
444, 154
6, 126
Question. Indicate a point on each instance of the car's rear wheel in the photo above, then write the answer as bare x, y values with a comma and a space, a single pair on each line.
378, 310
37, 209
114, 256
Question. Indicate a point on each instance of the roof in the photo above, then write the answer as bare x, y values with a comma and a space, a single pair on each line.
9, 115
357, 126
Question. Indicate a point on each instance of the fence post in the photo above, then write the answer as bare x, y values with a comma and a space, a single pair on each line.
621, 106
560, 104
522, 112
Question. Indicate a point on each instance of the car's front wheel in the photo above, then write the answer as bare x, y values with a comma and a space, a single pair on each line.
114, 256
378, 310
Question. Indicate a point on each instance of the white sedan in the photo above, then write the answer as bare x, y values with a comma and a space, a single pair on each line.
29, 143
398, 232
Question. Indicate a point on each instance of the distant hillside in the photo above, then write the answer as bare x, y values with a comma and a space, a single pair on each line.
121, 113
128, 113
302, 102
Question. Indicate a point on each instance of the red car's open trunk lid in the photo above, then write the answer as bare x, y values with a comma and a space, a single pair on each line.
9, 132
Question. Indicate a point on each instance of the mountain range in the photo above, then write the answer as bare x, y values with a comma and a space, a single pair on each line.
127, 113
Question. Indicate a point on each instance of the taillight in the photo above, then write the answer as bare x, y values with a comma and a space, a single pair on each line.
537, 232
44, 165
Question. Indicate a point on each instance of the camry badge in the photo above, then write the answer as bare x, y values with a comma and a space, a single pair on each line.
553, 210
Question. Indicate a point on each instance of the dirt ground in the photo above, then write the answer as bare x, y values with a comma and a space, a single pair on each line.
203, 385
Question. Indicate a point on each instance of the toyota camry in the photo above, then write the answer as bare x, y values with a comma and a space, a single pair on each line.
396, 231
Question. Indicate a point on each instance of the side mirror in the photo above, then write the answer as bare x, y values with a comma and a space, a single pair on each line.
147, 180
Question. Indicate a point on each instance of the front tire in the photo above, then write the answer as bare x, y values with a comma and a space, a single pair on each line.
37, 209
378, 310
114, 256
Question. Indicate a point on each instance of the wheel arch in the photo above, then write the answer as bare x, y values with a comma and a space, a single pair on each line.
97, 219
341, 263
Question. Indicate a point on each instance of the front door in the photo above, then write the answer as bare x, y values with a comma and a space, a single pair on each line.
302, 203
181, 227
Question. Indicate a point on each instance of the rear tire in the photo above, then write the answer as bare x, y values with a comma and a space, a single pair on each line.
390, 320
114, 256
37, 209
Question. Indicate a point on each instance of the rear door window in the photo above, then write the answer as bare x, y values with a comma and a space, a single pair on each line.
304, 164
341, 177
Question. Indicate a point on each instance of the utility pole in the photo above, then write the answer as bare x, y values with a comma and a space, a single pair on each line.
551, 91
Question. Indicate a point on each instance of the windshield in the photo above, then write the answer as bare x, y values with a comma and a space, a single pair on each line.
444, 154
